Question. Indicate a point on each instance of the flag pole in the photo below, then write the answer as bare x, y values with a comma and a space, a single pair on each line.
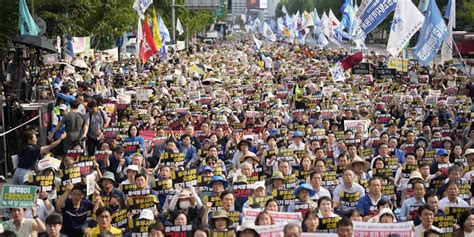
460, 56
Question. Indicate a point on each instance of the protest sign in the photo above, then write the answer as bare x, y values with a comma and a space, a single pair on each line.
398, 64
250, 215
163, 186
366, 229
357, 126
184, 178
49, 163
119, 219
328, 225
172, 159
140, 202
361, 69
18, 196
178, 231
270, 230
306, 234
90, 184
386, 73
44, 182
140, 227
215, 233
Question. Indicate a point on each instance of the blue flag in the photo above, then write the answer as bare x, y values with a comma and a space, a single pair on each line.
26, 23
432, 34
375, 12
69, 46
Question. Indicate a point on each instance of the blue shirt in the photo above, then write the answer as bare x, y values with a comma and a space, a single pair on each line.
74, 220
367, 207
138, 139
405, 212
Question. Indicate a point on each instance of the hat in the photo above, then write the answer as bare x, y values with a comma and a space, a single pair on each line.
469, 151
220, 214
357, 159
247, 225
208, 168
304, 186
277, 175
255, 158
184, 194
258, 184
441, 152
297, 134
108, 175
423, 140
146, 214
131, 167
416, 175
244, 141
386, 211
241, 179
62, 107
218, 179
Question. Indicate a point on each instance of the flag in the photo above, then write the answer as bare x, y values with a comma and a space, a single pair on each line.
325, 24
451, 12
447, 48
124, 39
139, 37
140, 6
257, 42
147, 46
423, 5
26, 23
348, 14
337, 73
375, 12
432, 34
333, 21
179, 27
352, 60
165, 34
283, 9
406, 22
308, 21
268, 33
69, 46
156, 31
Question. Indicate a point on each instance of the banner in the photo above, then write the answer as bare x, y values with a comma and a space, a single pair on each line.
90, 184
306, 234
432, 34
81, 44
249, 214
398, 64
18, 196
26, 23
374, 14
406, 22
337, 73
365, 229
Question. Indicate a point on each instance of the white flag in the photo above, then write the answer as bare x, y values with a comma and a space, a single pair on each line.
337, 73
283, 9
140, 6
325, 24
406, 22
308, 21
447, 48
268, 33
179, 27
258, 43
333, 21
139, 37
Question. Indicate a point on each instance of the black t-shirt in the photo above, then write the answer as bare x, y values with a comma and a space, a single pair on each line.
74, 220
29, 157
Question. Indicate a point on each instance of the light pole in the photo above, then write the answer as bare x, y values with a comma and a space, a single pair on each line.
173, 19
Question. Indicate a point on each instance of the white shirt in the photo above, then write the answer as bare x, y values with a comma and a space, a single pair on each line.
443, 203
26, 228
419, 230
296, 147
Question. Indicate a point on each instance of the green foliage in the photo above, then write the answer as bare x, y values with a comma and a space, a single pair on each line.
465, 17
105, 19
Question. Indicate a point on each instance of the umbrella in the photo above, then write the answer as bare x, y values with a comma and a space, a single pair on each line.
80, 64
37, 42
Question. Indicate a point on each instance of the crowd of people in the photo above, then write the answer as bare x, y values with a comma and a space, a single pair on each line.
188, 142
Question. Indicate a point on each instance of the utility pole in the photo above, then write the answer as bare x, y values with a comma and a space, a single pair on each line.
173, 19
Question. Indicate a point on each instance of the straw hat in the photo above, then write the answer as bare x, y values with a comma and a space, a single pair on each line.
220, 214
357, 159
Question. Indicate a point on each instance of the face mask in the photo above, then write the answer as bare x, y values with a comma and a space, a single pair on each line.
184, 204
114, 207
